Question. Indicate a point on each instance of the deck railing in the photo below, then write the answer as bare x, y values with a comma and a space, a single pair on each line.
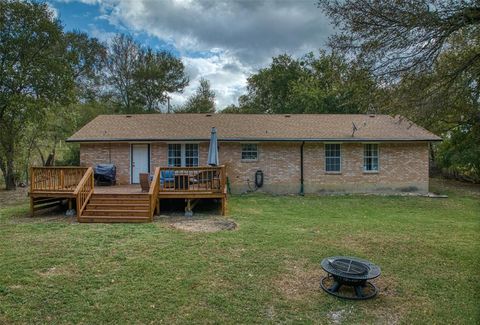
192, 179
84, 190
56, 179
153, 192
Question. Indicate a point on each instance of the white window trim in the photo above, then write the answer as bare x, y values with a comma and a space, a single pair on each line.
184, 154
183, 158
378, 158
325, 158
249, 160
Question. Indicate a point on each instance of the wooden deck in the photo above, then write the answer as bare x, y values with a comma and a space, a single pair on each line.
119, 189
51, 186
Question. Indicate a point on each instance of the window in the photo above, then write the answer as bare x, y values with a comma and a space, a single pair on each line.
249, 151
370, 157
332, 157
191, 154
175, 155
185, 155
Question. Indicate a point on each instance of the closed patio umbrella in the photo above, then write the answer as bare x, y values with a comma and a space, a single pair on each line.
213, 149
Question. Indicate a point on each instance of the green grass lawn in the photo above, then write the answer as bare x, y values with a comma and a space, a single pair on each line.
53, 270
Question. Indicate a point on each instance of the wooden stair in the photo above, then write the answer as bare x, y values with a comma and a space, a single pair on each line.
117, 208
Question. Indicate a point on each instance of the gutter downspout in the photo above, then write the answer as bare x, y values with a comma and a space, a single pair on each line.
302, 193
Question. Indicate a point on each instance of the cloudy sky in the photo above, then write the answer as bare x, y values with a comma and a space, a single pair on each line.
223, 41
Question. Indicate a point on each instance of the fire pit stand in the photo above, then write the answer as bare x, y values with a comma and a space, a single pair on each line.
350, 271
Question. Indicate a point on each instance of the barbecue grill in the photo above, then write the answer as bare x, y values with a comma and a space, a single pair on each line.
353, 272
105, 174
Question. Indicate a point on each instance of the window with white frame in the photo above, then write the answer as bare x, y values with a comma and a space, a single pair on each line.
175, 155
183, 155
191, 154
370, 157
249, 151
332, 157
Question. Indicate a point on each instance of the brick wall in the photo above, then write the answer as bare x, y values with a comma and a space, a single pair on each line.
403, 166
280, 163
108, 153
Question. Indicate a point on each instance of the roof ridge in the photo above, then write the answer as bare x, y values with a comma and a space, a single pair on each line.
162, 127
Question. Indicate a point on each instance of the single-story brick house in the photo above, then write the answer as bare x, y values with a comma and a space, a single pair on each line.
310, 153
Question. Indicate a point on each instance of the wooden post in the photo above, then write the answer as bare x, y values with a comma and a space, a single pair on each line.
62, 180
32, 211
78, 206
93, 182
224, 206
31, 178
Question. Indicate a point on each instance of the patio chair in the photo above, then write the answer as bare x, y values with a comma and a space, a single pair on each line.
167, 178
145, 182
207, 179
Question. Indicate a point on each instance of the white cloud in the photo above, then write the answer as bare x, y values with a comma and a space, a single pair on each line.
52, 9
240, 36
225, 72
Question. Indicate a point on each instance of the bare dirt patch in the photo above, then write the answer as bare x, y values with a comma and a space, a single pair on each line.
54, 215
203, 224
20, 195
299, 281
387, 286
338, 316
55, 271
462, 188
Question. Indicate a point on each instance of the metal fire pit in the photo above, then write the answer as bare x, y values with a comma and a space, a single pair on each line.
350, 271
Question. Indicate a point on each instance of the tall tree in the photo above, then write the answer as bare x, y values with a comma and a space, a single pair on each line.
312, 84
140, 77
330, 84
269, 89
157, 74
35, 73
87, 58
394, 37
121, 63
202, 101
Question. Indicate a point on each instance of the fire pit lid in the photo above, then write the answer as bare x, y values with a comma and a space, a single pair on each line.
350, 267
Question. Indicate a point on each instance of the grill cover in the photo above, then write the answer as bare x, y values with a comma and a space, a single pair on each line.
105, 173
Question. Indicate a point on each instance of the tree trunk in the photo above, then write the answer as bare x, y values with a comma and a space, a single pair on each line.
10, 175
3, 168
40, 154
7, 167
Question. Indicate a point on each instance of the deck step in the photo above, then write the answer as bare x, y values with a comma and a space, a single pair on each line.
126, 201
118, 206
121, 196
97, 212
111, 219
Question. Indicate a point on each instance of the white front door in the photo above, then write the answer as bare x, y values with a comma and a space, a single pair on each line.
140, 158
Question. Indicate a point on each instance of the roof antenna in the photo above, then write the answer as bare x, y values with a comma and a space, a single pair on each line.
354, 128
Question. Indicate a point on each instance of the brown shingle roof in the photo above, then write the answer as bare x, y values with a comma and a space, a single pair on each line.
258, 127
